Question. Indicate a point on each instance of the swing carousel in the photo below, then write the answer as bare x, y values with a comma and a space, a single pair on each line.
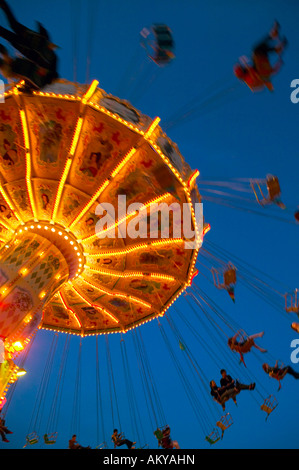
69, 153
83, 174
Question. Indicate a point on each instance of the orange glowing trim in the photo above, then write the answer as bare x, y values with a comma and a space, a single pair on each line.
28, 162
117, 252
192, 277
23, 271
76, 135
95, 306
8, 227
131, 249
110, 315
193, 178
70, 309
42, 295
90, 91
116, 224
8, 202
60, 187
90, 203
25, 130
152, 127
206, 229
18, 346
131, 274
123, 162
116, 117
166, 160
117, 294
126, 217
29, 185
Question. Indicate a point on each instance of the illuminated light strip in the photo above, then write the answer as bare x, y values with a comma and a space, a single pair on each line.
8, 227
168, 241
70, 309
25, 130
198, 237
132, 274
167, 161
90, 203
127, 216
104, 186
96, 306
76, 135
60, 188
123, 162
193, 178
28, 162
206, 229
90, 92
117, 294
116, 117
192, 277
152, 127
8, 202
54, 95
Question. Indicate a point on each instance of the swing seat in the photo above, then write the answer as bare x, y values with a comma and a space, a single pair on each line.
292, 302
269, 405
158, 433
50, 438
103, 445
32, 438
213, 437
225, 422
230, 394
273, 187
230, 277
163, 436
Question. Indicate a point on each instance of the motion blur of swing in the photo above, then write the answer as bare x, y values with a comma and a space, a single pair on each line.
155, 51
260, 197
42, 400
208, 323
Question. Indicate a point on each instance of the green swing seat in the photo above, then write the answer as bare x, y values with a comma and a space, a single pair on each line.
50, 438
32, 438
213, 437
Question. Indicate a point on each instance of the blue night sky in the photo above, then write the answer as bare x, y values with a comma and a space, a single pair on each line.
230, 133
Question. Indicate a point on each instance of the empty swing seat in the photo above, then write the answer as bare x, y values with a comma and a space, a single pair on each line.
32, 438
269, 405
213, 437
225, 422
50, 438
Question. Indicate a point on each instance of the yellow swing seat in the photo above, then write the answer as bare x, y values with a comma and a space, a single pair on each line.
225, 422
269, 405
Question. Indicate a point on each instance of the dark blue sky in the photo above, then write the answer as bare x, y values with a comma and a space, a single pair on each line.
235, 135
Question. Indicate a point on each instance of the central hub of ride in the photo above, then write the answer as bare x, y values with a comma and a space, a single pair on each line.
35, 264
62, 239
